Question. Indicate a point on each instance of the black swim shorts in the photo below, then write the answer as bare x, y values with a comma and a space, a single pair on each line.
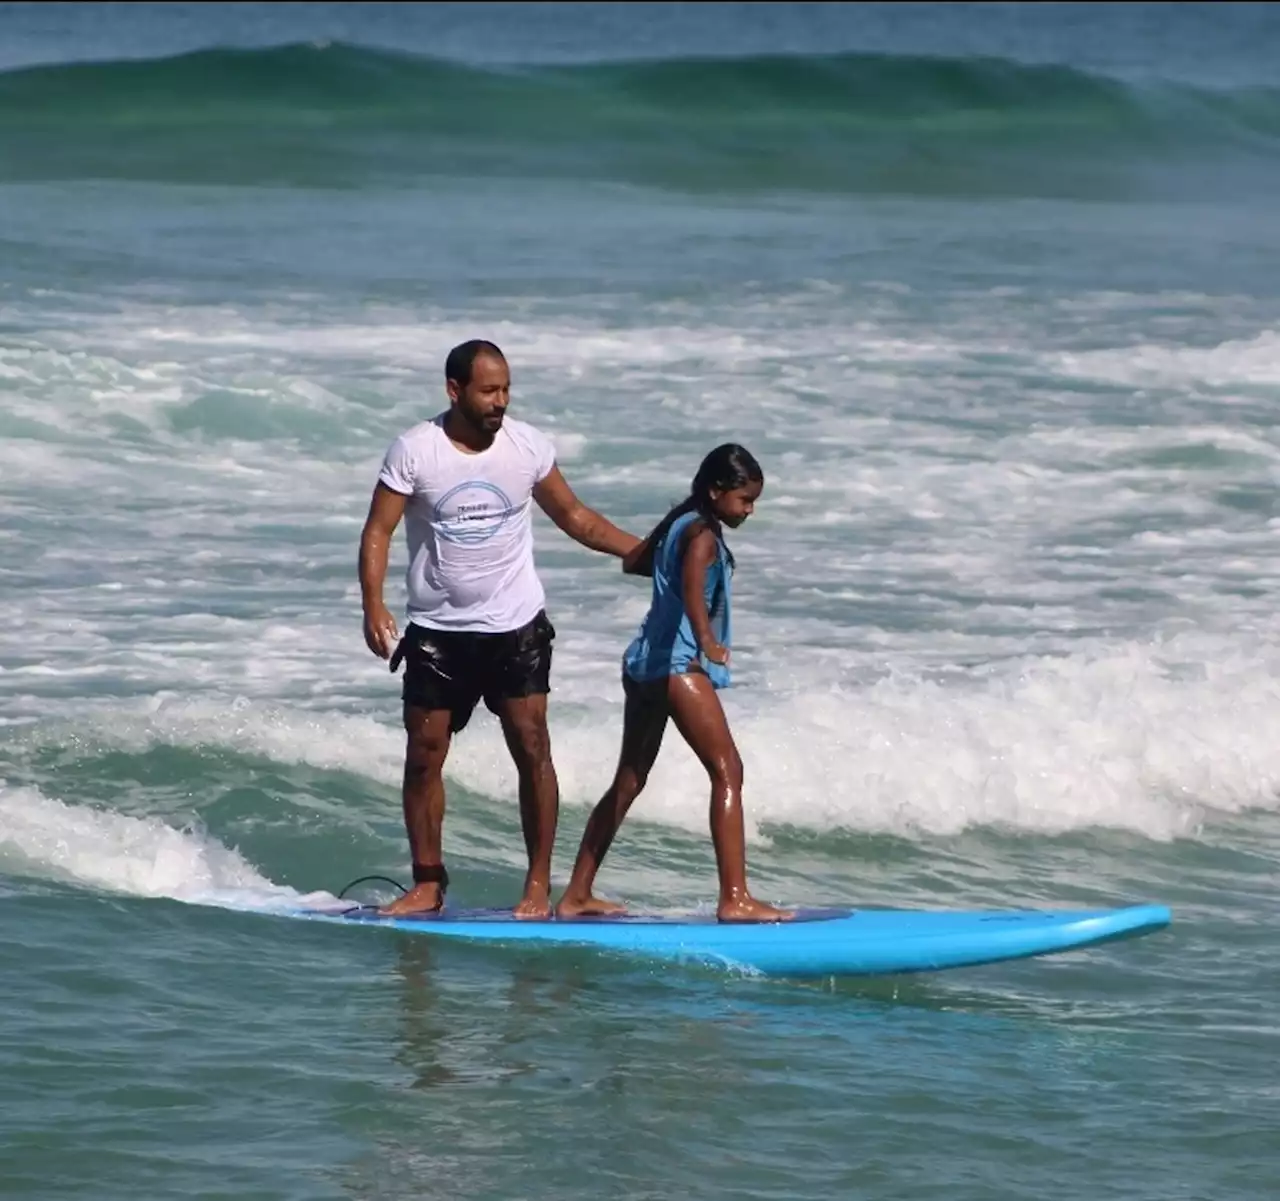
456, 669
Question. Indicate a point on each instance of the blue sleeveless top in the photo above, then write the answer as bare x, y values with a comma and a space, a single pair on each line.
665, 645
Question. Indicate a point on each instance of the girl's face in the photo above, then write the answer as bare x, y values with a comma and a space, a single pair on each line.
737, 504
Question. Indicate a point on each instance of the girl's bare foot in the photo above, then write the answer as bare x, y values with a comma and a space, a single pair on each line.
587, 906
748, 909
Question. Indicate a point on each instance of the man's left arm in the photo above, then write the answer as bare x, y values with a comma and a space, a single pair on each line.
594, 531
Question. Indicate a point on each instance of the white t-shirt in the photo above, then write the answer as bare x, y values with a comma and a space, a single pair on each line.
467, 521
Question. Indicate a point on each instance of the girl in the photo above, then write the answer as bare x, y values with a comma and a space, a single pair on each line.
673, 668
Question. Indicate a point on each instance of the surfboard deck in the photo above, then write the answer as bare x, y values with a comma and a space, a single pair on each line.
815, 943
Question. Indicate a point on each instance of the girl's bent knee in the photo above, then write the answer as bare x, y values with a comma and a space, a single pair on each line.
726, 775
628, 785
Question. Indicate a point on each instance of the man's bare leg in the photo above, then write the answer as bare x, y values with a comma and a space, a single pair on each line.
427, 739
524, 725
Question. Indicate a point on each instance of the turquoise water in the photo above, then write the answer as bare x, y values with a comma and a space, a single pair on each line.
991, 292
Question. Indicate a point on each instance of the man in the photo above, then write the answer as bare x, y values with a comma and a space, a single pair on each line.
465, 482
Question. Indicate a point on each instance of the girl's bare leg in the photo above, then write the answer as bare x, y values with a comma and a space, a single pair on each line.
643, 724
699, 716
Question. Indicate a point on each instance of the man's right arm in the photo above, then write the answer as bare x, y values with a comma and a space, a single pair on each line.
385, 511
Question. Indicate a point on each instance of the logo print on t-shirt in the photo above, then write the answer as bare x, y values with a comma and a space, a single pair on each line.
471, 512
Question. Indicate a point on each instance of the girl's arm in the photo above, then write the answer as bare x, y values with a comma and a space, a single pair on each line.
700, 551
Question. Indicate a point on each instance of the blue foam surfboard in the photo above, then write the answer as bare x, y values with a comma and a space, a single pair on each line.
815, 943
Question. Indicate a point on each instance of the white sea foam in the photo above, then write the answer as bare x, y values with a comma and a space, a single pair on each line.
1232, 363
960, 563
1150, 739
139, 856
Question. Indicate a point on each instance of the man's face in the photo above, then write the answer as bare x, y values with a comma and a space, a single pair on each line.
484, 400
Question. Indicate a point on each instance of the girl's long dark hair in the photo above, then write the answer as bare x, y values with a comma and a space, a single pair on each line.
727, 467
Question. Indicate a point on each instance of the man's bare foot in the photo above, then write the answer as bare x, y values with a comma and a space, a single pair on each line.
536, 903
748, 909
588, 906
421, 898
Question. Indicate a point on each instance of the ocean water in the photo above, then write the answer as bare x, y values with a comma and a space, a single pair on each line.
990, 290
